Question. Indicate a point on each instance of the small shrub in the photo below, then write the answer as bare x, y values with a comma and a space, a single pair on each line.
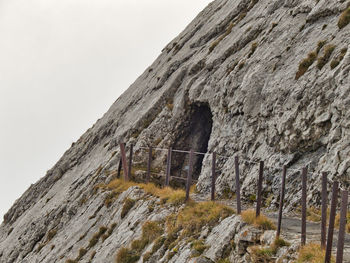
261, 221
325, 58
128, 204
305, 64
344, 18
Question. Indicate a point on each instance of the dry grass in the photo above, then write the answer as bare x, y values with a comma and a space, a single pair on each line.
311, 253
336, 61
265, 254
82, 252
305, 64
241, 65
128, 204
150, 231
194, 216
328, 50
337, 221
313, 214
344, 18
217, 41
199, 246
166, 194
261, 221
95, 238
252, 49
320, 45
261, 254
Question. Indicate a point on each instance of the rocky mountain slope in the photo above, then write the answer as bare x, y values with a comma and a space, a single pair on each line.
264, 80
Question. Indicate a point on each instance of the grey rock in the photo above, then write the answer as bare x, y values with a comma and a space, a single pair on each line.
258, 111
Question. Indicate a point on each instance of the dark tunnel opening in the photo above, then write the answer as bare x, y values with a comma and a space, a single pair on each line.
195, 133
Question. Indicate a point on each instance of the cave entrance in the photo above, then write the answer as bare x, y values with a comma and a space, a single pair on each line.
194, 133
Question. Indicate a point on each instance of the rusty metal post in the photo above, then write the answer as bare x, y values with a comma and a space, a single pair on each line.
124, 162
342, 226
149, 164
331, 222
213, 176
168, 167
260, 181
189, 176
130, 158
119, 167
238, 187
324, 210
303, 205
283, 187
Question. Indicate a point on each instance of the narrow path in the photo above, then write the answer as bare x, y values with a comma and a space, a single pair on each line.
291, 226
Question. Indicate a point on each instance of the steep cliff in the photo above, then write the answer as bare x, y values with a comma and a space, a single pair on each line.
265, 80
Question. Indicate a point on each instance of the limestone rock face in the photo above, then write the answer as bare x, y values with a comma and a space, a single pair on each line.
229, 83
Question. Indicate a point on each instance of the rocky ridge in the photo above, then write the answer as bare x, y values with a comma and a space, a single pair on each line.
272, 78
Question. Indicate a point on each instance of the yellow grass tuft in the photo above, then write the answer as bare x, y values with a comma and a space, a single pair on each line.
261, 221
305, 64
312, 253
344, 18
196, 215
151, 230
166, 194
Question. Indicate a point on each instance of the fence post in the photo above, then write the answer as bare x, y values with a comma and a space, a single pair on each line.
331, 222
189, 176
119, 167
283, 186
238, 187
124, 162
168, 167
149, 164
342, 225
303, 206
213, 176
324, 210
130, 158
260, 181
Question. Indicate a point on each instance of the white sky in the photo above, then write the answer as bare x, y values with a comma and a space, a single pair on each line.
62, 65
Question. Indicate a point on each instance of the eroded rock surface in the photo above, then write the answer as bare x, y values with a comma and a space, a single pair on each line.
238, 59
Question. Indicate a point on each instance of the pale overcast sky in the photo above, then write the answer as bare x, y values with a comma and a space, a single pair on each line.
62, 65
